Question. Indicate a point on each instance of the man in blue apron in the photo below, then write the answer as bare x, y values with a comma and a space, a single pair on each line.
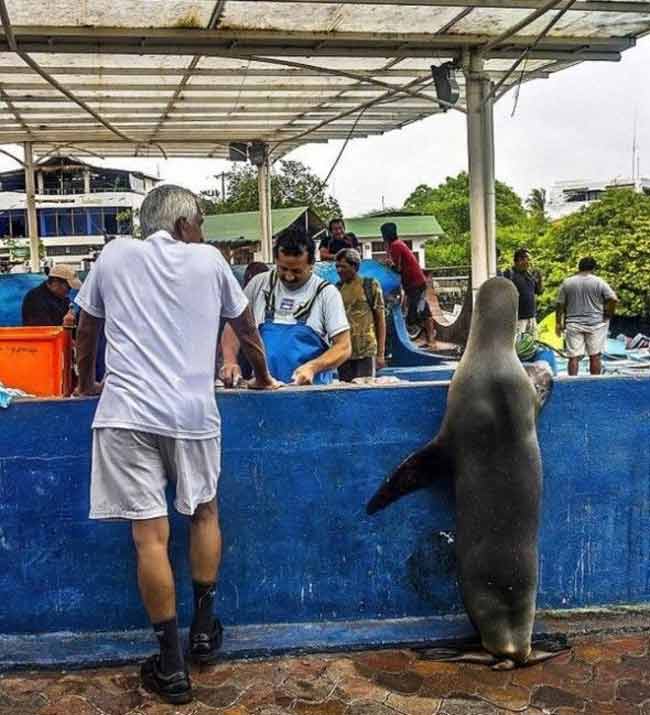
301, 319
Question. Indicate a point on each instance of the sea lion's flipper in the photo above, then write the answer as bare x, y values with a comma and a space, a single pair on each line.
541, 376
477, 655
416, 472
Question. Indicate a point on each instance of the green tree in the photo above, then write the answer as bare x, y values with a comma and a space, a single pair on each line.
449, 203
292, 184
536, 201
616, 232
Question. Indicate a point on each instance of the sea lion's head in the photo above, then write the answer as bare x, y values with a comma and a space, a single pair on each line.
494, 319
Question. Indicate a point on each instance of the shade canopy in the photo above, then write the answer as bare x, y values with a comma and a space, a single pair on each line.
186, 78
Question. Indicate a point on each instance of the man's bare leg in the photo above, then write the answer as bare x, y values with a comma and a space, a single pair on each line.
430, 331
595, 364
205, 543
574, 362
155, 578
156, 583
205, 557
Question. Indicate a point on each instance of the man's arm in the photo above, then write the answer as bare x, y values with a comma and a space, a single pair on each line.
324, 251
87, 334
539, 282
337, 354
230, 371
559, 319
247, 337
380, 331
610, 308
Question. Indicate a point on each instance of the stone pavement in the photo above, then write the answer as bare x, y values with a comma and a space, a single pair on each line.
603, 675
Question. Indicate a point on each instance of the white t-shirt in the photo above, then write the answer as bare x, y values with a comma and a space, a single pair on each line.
327, 315
162, 301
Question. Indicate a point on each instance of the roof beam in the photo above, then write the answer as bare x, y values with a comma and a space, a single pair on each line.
304, 100
584, 6
104, 71
277, 43
48, 112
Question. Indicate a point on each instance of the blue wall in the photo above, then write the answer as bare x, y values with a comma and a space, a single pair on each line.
298, 468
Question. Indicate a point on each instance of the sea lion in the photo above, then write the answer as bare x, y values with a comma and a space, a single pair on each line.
488, 444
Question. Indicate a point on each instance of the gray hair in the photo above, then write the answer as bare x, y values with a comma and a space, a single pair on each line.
164, 205
351, 256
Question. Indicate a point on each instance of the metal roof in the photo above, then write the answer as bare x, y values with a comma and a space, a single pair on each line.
244, 227
415, 225
184, 78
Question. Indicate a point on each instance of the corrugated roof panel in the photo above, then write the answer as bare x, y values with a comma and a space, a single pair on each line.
245, 225
271, 70
369, 226
116, 13
294, 16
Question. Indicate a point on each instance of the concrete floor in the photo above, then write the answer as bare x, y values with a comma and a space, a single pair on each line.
607, 672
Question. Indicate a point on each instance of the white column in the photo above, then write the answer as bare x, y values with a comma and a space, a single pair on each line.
86, 181
32, 224
266, 223
480, 146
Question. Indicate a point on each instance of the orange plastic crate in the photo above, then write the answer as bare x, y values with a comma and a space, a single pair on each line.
36, 360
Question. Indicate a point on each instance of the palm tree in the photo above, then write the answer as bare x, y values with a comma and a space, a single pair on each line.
536, 201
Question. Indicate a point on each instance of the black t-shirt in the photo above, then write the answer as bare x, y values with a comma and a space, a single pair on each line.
526, 284
334, 245
42, 307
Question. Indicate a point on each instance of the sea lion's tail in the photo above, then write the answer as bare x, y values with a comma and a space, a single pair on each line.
416, 472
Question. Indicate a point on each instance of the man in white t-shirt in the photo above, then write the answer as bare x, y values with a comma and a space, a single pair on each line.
161, 301
301, 318
585, 304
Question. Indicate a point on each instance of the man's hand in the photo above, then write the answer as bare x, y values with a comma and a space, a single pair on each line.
558, 330
380, 362
304, 375
92, 391
269, 383
230, 375
69, 319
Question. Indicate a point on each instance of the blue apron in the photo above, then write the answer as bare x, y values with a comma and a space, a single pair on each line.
290, 346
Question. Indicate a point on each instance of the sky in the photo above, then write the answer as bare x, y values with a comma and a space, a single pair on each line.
578, 124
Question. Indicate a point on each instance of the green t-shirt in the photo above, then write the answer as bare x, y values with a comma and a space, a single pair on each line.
360, 316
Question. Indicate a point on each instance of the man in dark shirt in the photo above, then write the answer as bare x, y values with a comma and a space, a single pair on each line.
529, 284
48, 303
337, 240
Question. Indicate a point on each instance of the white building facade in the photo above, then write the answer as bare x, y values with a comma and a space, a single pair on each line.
567, 197
77, 205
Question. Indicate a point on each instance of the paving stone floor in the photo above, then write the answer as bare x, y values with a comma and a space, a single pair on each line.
602, 675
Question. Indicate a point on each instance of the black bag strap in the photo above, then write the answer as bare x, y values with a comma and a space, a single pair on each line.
303, 313
367, 289
269, 296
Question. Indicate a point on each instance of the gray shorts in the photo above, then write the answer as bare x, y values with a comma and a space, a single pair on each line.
130, 471
586, 339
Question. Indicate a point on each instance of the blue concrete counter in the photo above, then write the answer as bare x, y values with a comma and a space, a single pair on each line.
298, 468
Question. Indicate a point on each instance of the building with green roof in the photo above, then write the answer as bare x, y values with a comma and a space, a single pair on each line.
238, 235
414, 229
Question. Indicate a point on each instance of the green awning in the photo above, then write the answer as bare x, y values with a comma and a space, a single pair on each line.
244, 228
407, 226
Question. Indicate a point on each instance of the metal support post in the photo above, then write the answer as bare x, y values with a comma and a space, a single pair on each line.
264, 193
480, 144
32, 224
